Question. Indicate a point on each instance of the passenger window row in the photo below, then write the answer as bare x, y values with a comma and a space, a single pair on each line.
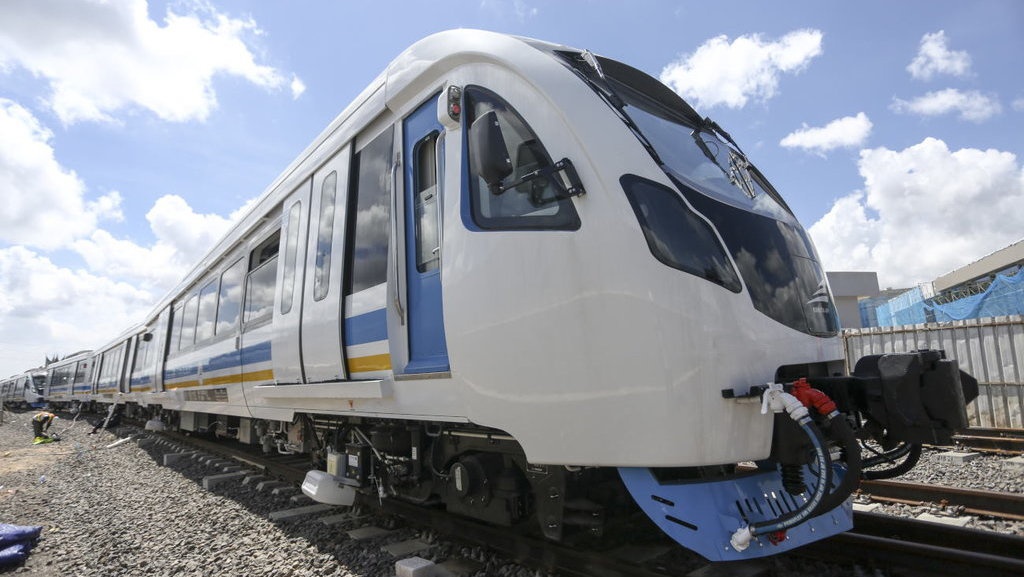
216, 307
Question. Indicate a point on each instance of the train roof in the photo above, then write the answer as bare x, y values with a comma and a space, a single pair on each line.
74, 357
410, 71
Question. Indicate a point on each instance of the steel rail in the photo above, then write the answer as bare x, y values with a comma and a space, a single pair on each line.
985, 503
993, 443
915, 548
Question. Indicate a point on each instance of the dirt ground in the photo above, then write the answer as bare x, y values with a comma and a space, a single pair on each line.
22, 463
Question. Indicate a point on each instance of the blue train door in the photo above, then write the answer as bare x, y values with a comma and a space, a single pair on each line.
422, 142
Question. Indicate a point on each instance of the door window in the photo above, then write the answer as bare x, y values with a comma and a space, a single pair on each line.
325, 236
290, 258
428, 238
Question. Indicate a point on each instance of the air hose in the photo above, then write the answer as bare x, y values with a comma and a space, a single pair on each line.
911, 450
778, 400
839, 429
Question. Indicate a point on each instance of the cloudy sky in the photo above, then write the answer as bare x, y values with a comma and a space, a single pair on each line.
132, 132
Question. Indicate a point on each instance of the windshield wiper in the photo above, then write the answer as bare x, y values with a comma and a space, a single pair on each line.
696, 134
739, 171
602, 85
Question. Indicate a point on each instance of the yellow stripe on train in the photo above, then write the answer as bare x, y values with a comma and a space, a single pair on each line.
182, 385
370, 363
356, 365
265, 375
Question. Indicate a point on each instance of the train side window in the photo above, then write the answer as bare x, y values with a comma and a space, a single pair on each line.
143, 352
62, 375
265, 251
188, 322
207, 311
105, 362
261, 280
529, 206
230, 297
119, 362
80, 372
172, 343
325, 236
428, 240
369, 215
291, 250
110, 368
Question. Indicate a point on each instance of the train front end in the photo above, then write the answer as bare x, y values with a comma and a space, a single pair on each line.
761, 434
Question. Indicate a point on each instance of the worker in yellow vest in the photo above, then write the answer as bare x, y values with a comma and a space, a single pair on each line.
40, 424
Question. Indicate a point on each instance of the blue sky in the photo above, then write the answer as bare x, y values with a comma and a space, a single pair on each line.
131, 132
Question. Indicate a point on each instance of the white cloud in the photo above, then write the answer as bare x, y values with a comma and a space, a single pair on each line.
972, 105
846, 132
156, 268
183, 237
934, 57
192, 234
298, 87
43, 203
727, 73
46, 309
1018, 104
102, 57
924, 211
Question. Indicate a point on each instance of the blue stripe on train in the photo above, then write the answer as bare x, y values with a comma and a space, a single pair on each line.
258, 353
181, 372
366, 328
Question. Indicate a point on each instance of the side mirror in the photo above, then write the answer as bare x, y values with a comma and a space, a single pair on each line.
488, 154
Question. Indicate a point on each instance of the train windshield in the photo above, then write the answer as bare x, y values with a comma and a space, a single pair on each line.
770, 248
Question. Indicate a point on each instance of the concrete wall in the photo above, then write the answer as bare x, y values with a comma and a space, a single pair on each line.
847, 287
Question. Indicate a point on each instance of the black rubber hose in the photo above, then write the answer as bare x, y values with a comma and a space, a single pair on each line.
909, 463
797, 516
888, 456
840, 429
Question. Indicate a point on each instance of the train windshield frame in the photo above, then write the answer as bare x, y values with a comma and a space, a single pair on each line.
768, 245
702, 159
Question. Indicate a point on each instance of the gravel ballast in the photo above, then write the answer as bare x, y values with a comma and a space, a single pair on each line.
113, 509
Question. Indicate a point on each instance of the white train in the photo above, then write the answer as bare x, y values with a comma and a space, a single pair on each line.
522, 280
24, 390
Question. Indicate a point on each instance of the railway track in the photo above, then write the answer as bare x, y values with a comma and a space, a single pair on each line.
912, 548
993, 440
968, 501
896, 546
